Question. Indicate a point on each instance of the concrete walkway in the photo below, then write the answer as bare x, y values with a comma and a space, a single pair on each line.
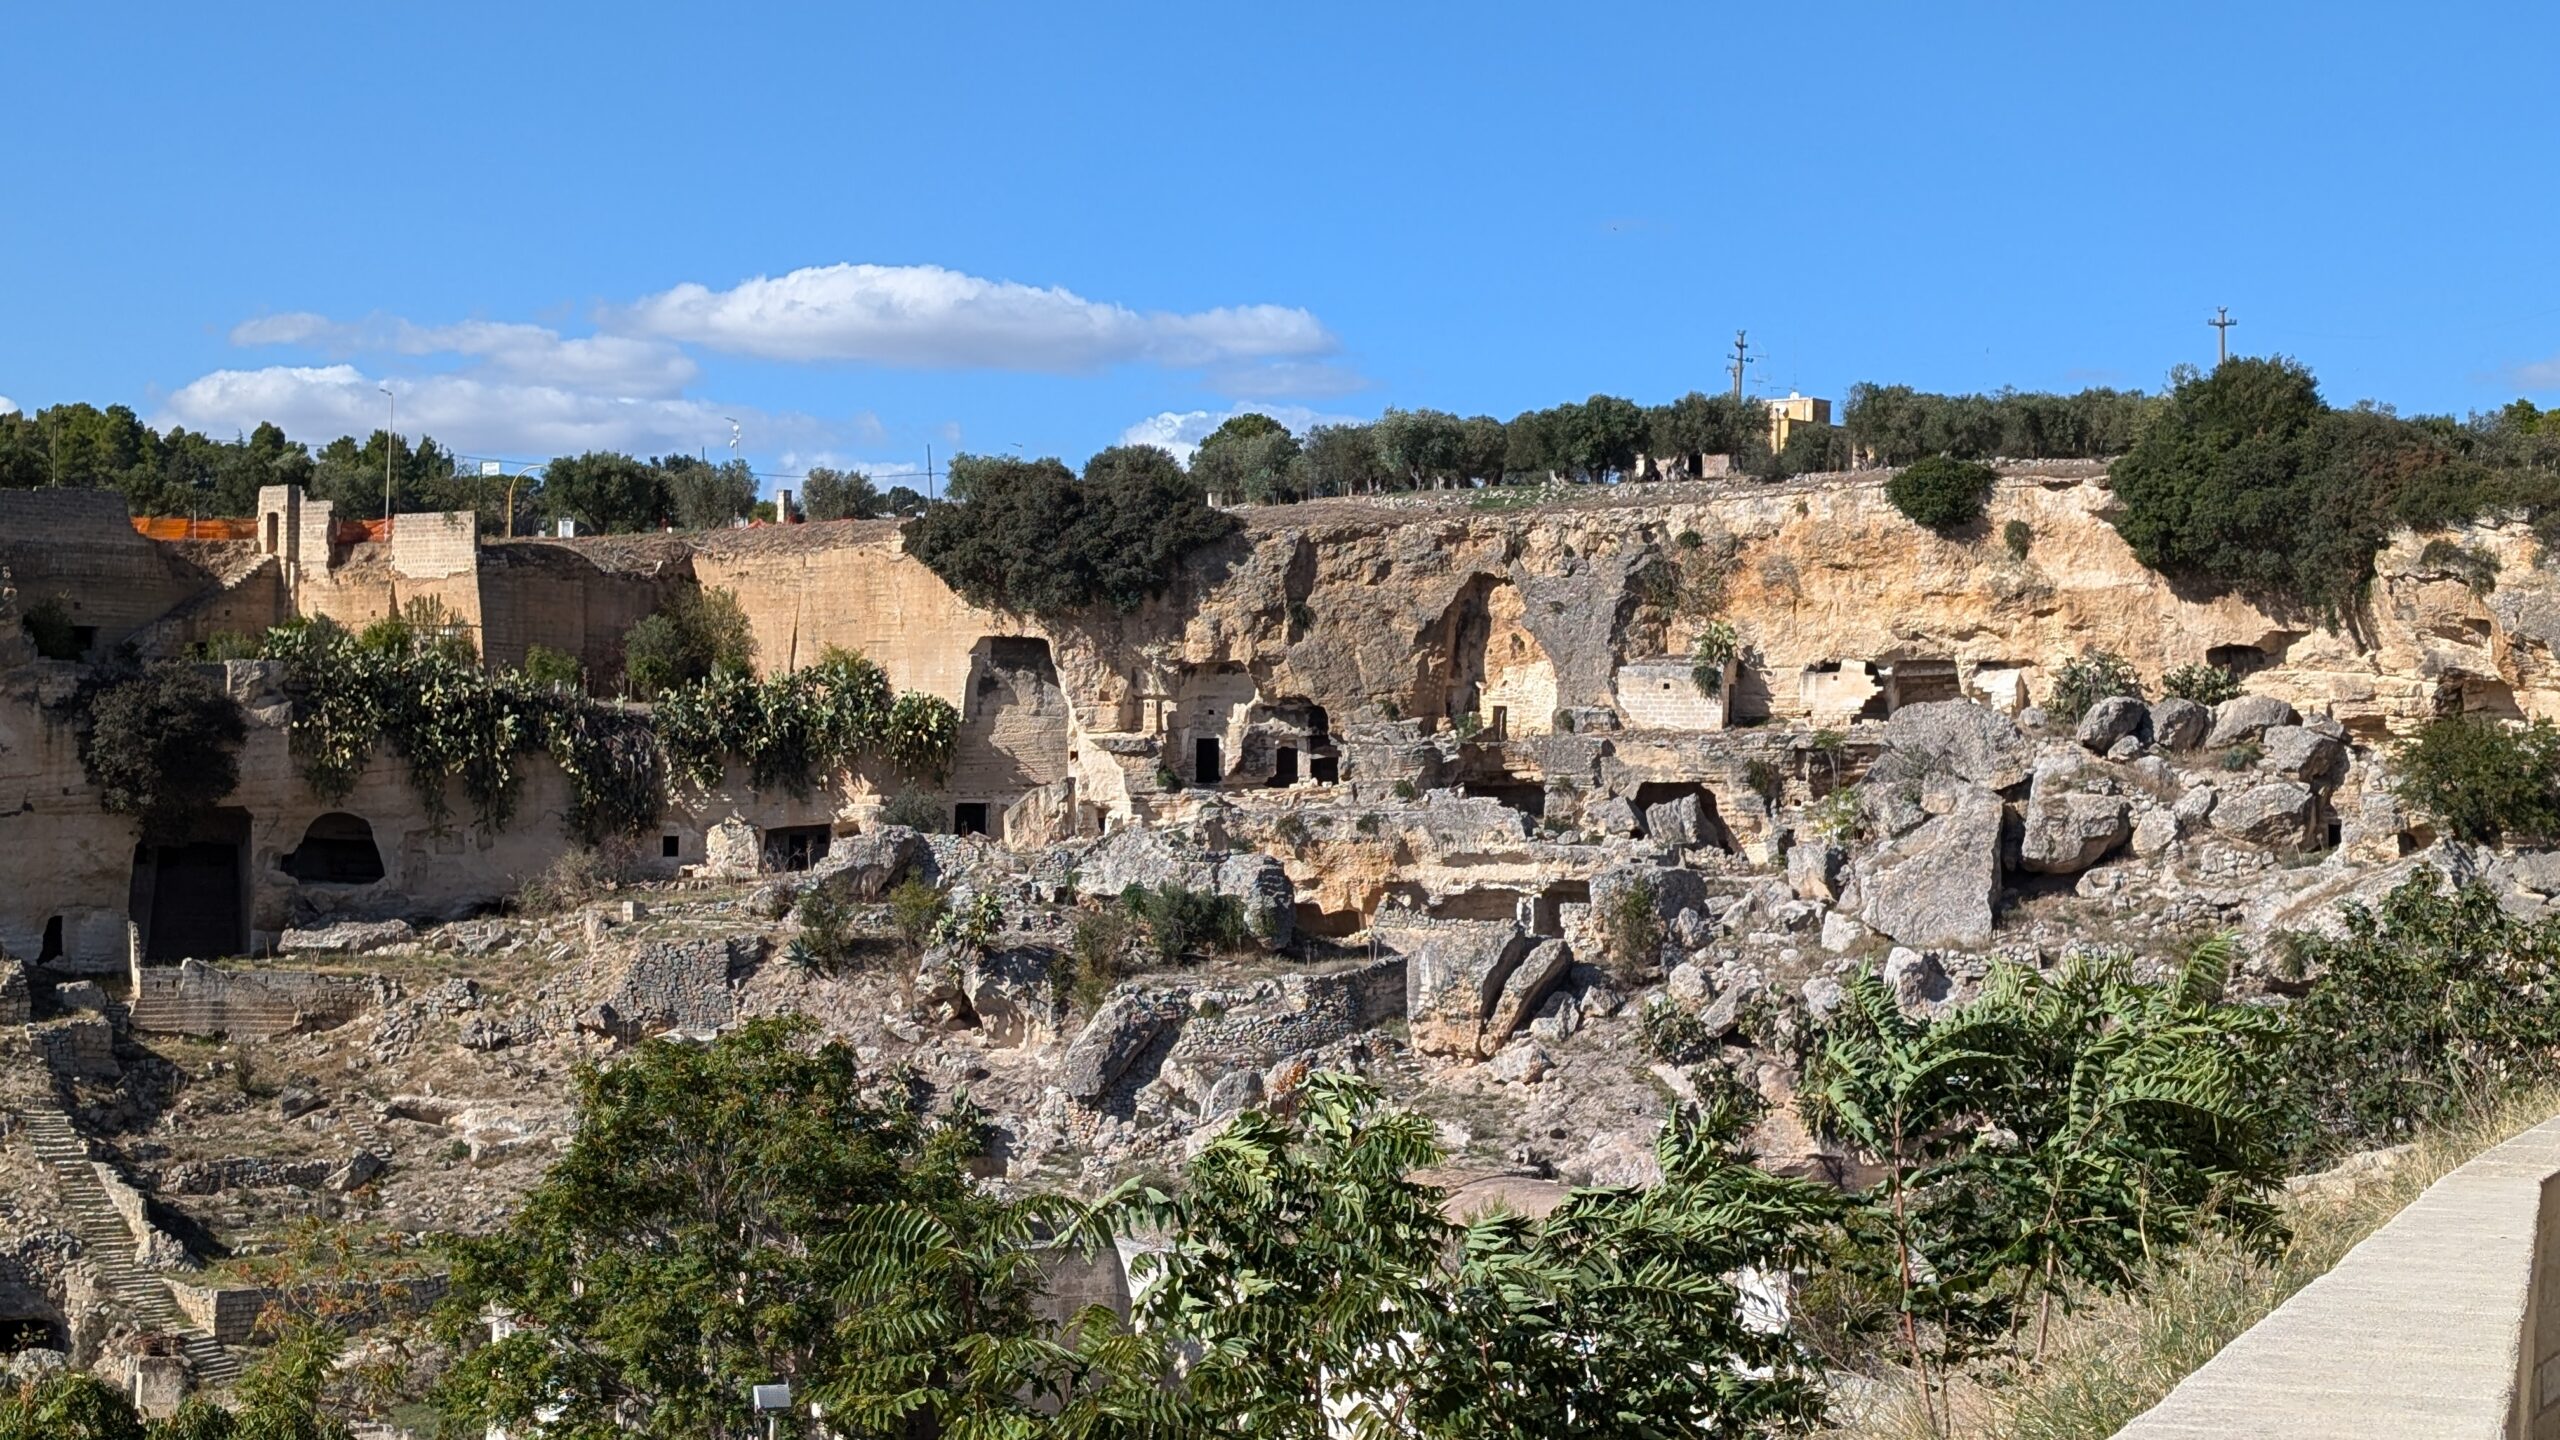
2418, 1332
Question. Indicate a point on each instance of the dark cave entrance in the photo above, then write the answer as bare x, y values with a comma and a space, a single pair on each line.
192, 899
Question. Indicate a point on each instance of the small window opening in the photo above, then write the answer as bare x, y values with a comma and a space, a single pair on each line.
1205, 768
1284, 766
670, 846
969, 818
1326, 769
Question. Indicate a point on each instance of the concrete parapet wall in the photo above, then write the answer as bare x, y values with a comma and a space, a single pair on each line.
2435, 1325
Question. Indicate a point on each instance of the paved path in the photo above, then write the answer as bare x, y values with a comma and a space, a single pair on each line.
105, 1239
2414, 1335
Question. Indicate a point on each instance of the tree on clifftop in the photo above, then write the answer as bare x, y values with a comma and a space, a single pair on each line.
1028, 535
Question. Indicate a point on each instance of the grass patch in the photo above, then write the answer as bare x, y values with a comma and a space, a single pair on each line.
2114, 1356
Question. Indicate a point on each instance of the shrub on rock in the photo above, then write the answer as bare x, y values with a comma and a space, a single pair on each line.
1941, 493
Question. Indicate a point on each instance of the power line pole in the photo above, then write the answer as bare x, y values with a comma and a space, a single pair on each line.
1741, 356
2222, 323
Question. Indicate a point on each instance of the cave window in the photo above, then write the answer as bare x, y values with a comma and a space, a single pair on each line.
1284, 766
1325, 769
51, 950
969, 818
338, 849
1319, 726
670, 847
1205, 768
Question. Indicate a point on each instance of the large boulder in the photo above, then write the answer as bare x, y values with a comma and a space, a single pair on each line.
1681, 822
861, 869
2179, 724
2117, 717
2246, 718
2069, 832
1260, 884
1936, 883
2300, 753
1455, 974
1525, 991
1813, 870
347, 937
1956, 737
2277, 813
1124, 1029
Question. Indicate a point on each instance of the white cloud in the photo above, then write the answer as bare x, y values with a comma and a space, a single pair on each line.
927, 316
534, 354
1181, 431
471, 414
2536, 375
8, 406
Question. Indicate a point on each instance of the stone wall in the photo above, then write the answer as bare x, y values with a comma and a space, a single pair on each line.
435, 545
231, 1313
81, 1047
80, 545
16, 1007
193, 998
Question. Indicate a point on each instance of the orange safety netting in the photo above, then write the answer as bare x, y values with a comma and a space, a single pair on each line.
357, 532
157, 527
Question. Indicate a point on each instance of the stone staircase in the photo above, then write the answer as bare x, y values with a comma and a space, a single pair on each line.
110, 1245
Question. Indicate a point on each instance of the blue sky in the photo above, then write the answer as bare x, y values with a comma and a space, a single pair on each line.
866, 229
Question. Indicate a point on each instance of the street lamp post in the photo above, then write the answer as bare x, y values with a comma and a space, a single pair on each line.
390, 438
511, 497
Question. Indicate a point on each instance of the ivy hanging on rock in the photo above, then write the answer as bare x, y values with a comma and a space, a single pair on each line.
413, 684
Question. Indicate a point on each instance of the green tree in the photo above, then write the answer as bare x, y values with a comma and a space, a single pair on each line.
757, 1210
2418, 1009
160, 743
1257, 463
1941, 494
1343, 460
605, 493
697, 634
1421, 448
2483, 779
705, 496
830, 494
1027, 535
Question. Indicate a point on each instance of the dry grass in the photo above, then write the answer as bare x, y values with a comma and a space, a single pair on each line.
2116, 1356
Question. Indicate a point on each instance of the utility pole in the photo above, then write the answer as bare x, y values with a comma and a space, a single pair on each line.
928, 472
2222, 323
390, 438
1741, 356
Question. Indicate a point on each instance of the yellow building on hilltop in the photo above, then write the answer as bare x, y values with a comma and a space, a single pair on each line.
1785, 415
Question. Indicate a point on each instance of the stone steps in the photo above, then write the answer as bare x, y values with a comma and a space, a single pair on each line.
109, 1243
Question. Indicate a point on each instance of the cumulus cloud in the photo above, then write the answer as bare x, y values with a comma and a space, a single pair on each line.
1181, 431
617, 364
8, 406
471, 413
929, 317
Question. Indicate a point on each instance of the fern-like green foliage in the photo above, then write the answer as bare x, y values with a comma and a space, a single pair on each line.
1315, 1277
944, 1329
2058, 1131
